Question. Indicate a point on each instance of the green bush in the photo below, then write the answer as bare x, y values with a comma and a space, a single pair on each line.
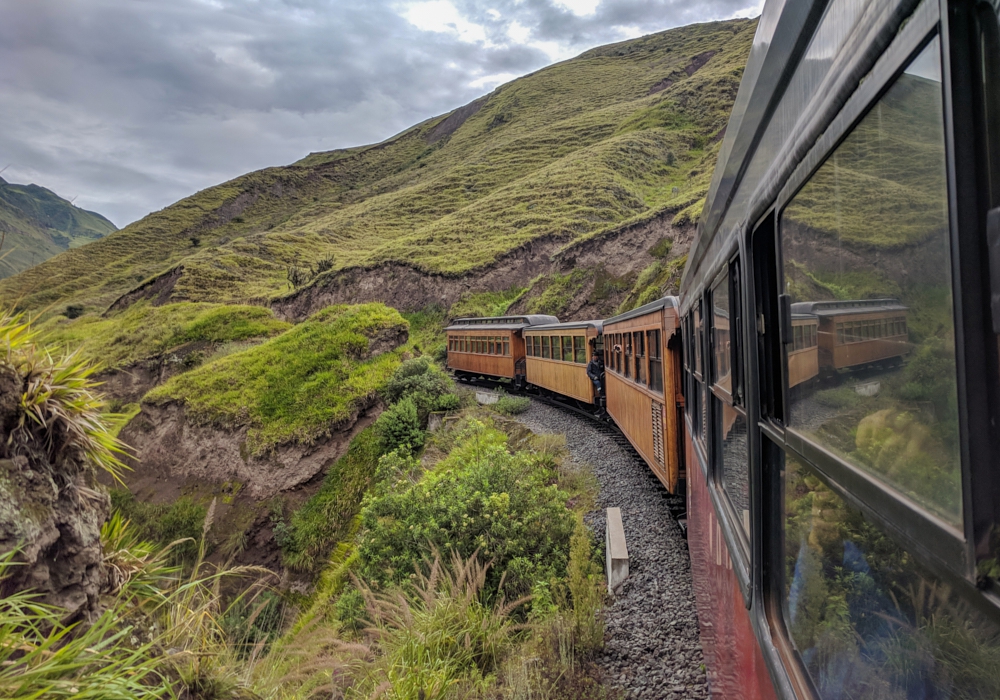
420, 380
399, 426
350, 609
512, 405
448, 402
479, 498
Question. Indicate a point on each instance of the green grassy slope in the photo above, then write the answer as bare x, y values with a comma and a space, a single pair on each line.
296, 386
37, 224
613, 136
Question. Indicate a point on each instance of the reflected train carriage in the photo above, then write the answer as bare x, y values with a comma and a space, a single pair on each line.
857, 333
642, 382
557, 356
803, 351
845, 536
490, 347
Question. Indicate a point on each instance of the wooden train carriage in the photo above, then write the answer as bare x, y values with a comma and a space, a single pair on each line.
803, 351
857, 332
557, 357
491, 347
642, 379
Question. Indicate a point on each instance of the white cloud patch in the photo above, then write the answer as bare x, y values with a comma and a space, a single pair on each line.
580, 7
442, 16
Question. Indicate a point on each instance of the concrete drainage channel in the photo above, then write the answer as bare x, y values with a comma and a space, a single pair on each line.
652, 650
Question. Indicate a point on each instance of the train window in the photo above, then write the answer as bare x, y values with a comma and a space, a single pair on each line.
639, 352
867, 620
729, 421
506, 346
867, 237
627, 353
529, 345
567, 348
721, 347
655, 360
580, 349
545, 347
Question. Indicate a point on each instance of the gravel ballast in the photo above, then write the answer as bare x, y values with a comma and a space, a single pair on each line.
652, 649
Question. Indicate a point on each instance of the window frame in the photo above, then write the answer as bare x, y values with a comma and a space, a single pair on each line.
944, 549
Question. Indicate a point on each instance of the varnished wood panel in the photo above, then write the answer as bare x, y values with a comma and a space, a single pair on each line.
492, 365
803, 365
566, 378
632, 412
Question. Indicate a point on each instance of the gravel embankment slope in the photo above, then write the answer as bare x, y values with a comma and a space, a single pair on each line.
652, 649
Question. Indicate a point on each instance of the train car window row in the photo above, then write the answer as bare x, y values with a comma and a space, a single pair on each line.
480, 344
566, 348
855, 332
637, 356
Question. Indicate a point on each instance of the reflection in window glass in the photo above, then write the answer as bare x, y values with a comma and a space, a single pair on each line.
580, 349
867, 620
721, 350
567, 348
867, 260
731, 451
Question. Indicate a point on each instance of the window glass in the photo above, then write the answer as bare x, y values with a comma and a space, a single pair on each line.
721, 350
567, 348
655, 360
506, 346
545, 346
869, 623
580, 349
638, 347
731, 457
867, 239
696, 339
627, 342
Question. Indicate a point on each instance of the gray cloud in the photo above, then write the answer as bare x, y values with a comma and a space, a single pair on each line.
130, 105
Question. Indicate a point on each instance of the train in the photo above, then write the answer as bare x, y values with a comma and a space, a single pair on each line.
825, 388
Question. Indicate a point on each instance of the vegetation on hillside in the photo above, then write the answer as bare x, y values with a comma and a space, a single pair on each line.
486, 509
296, 386
617, 135
144, 330
36, 224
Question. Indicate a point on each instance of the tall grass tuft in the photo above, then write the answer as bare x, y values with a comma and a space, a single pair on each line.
57, 407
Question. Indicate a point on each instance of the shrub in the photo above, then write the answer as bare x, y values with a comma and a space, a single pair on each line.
479, 498
448, 402
420, 380
512, 405
350, 609
399, 426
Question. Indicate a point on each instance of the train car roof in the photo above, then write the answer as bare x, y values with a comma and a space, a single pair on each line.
501, 322
569, 325
843, 308
783, 81
644, 309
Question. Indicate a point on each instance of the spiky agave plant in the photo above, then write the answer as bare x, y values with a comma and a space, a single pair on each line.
58, 405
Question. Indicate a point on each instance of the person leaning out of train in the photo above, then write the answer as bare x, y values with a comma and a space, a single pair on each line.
595, 368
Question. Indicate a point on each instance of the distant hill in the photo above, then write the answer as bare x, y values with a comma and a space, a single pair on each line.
37, 224
618, 136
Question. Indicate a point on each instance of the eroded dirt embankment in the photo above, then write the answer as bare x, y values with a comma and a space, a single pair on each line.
620, 252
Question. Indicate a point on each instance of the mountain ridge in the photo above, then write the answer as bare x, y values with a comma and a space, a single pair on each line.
37, 224
617, 135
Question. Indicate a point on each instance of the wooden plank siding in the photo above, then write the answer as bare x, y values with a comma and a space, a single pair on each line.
566, 378
648, 418
485, 363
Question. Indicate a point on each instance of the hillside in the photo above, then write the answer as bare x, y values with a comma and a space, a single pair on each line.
613, 138
37, 224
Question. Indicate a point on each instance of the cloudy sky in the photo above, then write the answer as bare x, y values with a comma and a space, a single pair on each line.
130, 105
